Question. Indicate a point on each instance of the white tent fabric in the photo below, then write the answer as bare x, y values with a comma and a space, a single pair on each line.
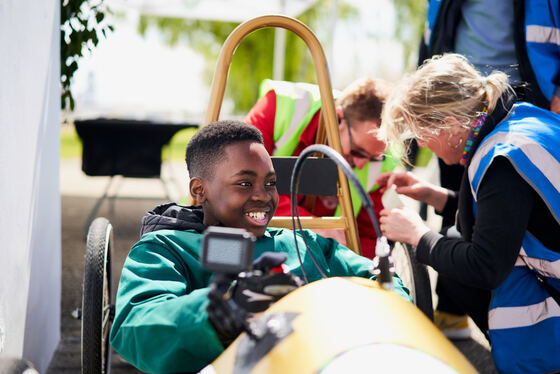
30, 270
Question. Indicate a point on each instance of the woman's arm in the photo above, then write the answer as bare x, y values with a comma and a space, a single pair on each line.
504, 205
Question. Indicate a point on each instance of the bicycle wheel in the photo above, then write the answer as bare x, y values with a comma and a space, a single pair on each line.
97, 310
414, 276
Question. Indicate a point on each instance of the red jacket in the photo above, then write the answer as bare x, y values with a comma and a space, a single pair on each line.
262, 116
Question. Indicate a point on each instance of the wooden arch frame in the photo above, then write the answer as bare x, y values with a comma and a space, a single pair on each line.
328, 122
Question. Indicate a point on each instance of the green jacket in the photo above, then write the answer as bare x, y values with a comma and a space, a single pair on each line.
161, 324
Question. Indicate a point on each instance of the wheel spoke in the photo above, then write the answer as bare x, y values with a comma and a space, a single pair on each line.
403, 268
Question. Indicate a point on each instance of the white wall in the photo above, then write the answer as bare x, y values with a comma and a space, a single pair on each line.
30, 270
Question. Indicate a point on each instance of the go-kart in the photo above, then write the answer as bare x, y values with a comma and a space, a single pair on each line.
342, 325
335, 325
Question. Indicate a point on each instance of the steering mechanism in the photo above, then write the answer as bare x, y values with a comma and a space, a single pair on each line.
383, 267
226, 252
241, 287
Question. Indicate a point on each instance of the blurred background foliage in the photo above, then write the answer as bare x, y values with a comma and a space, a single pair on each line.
82, 25
253, 59
411, 16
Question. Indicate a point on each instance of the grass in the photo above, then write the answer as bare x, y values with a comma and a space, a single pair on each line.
175, 150
71, 145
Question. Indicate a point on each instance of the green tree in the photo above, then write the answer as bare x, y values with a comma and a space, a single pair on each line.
253, 58
82, 22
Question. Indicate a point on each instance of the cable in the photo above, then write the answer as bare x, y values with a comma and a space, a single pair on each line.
347, 169
295, 211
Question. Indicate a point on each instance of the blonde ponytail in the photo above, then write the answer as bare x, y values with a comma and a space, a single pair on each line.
496, 85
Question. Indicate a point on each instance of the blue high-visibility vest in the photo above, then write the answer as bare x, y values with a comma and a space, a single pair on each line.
524, 319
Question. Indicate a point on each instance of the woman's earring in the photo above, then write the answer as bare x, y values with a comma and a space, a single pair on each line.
456, 145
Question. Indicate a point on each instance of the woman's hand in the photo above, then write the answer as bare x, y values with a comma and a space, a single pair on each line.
402, 225
408, 184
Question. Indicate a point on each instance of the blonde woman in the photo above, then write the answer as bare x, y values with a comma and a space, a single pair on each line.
505, 265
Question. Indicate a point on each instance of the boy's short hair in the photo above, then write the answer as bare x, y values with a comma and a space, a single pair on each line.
206, 148
363, 99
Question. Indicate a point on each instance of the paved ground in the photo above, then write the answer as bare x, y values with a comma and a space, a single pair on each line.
79, 194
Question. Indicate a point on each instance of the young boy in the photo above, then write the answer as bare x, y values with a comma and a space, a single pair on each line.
161, 323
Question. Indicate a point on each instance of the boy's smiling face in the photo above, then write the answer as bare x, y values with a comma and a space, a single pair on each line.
242, 191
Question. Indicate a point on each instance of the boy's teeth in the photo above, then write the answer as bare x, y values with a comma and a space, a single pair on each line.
256, 215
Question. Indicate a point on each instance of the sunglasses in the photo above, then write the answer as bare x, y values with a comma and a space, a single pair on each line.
357, 153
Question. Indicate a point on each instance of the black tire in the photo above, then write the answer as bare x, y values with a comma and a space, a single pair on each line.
97, 307
414, 276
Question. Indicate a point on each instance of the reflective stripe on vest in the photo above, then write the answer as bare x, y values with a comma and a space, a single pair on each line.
296, 104
545, 267
543, 34
521, 309
537, 304
521, 316
537, 161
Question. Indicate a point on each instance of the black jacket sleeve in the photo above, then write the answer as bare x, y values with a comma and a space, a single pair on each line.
504, 206
450, 207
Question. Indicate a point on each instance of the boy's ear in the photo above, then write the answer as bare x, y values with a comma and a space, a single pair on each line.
196, 188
